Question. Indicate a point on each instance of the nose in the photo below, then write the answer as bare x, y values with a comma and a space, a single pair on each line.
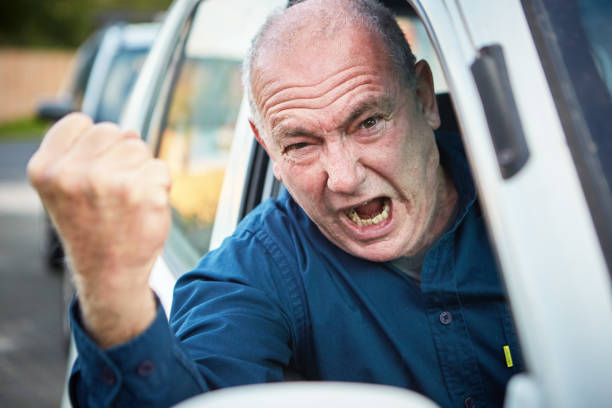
344, 171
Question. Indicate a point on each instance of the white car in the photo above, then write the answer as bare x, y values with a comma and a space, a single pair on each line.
531, 85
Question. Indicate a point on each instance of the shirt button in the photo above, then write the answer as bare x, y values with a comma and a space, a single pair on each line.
145, 368
469, 402
446, 317
108, 376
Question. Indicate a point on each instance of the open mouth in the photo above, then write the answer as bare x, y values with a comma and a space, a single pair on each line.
371, 212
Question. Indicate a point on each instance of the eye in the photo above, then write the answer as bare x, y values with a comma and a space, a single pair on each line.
370, 122
296, 146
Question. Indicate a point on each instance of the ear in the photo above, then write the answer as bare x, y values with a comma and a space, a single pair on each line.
260, 140
426, 95
257, 135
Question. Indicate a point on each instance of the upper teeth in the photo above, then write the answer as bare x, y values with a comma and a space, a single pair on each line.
384, 214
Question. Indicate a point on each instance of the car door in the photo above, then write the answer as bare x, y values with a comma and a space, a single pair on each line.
545, 194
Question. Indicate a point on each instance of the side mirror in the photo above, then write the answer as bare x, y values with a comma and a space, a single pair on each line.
310, 395
54, 110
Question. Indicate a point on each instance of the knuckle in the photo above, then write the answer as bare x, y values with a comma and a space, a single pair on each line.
100, 184
104, 131
160, 199
75, 119
162, 171
131, 134
35, 169
113, 187
108, 127
66, 181
123, 191
73, 122
133, 198
138, 147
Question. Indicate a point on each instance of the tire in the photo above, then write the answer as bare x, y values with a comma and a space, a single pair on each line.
54, 252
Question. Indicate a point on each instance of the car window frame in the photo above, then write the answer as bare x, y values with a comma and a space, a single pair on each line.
579, 117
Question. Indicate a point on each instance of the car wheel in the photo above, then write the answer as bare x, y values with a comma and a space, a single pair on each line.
54, 253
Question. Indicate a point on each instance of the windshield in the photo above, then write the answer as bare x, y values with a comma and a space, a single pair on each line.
122, 75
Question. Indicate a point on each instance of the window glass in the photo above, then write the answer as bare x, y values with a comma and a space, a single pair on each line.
80, 70
416, 35
595, 17
197, 140
121, 77
583, 40
574, 39
200, 119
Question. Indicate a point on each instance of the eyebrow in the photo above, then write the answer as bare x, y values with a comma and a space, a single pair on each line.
383, 103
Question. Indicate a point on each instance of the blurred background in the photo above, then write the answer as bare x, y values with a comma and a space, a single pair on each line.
49, 52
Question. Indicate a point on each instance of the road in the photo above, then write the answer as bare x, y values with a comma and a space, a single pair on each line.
32, 356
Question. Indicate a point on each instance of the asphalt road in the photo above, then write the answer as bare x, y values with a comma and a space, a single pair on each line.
32, 356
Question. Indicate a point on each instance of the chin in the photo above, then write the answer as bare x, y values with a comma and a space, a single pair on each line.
374, 252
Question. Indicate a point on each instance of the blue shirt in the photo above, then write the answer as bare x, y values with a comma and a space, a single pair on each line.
277, 294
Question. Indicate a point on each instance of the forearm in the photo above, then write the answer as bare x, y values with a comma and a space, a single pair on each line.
150, 370
107, 197
113, 313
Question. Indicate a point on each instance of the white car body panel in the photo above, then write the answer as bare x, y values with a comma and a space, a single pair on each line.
310, 395
546, 242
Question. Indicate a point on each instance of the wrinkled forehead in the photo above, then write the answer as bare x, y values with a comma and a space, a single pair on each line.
313, 58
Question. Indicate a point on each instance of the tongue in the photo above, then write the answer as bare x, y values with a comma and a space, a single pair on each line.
371, 209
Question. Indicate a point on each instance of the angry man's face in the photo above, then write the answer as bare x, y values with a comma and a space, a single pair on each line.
353, 145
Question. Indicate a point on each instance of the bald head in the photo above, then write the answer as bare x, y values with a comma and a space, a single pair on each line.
307, 23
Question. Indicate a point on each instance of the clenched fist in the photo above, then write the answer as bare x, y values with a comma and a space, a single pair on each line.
108, 198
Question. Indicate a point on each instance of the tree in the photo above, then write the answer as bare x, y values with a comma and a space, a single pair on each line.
66, 23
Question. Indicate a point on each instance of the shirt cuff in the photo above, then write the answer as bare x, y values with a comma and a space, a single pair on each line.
137, 367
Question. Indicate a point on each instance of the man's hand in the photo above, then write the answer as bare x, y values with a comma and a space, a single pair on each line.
108, 198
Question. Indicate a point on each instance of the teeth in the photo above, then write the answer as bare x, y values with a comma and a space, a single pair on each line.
384, 214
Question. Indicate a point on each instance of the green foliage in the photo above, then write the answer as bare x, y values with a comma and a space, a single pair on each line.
23, 129
66, 23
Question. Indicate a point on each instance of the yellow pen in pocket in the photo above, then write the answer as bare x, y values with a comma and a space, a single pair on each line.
508, 356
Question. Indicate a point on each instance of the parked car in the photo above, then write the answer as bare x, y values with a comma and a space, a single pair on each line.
104, 72
530, 91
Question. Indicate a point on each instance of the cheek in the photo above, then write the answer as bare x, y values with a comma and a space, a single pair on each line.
396, 153
303, 182
406, 157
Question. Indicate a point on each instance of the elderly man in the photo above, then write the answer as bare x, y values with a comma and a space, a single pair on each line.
374, 266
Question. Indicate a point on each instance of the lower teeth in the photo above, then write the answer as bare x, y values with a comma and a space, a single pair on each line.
384, 214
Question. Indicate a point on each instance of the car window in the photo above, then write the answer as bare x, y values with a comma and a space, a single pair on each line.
199, 123
121, 77
574, 38
416, 35
83, 64
197, 140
